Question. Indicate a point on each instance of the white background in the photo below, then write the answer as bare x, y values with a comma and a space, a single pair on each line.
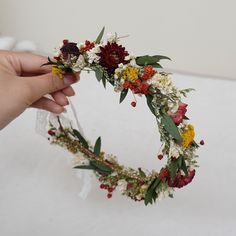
199, 35
39, 189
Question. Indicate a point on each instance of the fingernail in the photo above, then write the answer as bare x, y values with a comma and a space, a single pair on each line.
68, 80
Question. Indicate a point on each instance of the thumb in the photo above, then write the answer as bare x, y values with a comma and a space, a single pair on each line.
48, 83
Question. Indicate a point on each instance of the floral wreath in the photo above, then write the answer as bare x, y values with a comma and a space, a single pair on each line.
144, 76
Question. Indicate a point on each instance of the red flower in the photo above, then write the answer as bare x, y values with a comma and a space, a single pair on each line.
88, 45
180, 180
148, 72
180, 114
111, 56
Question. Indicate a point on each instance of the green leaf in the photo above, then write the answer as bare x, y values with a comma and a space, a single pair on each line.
80, 137
99, 74
183, 166
160, 57
99, 38
104, 81
151, 191
156, 65
146, 60
150, 60
85, 167
142, 173
170, 127
97, 147
149, 103
50, 62
123, 94
173, 167
100, 167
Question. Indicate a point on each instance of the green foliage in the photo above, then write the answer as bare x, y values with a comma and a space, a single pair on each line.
96, 166
97, 147
99, 38
149, 98
151, 194
170, 127
80, 137
123, 94
150, 60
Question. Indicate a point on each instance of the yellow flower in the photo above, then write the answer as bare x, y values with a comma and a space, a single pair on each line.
130, 73
188, 136
58, 71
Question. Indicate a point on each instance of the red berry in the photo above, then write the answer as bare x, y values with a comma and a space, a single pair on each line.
133, 104
109, 195
160, 156
102, 186
51, 132
110, 189
202, 142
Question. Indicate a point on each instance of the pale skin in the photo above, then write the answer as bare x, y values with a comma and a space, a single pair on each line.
24, 83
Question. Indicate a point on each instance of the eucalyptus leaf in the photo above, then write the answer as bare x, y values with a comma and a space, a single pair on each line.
173, 168
142, 173
104, 81
99, 74
149, 103
170, 127
99, 38
123, 94
151, 191
160, 57
97, 147
100, 167
184, 167
85, 167
80, 137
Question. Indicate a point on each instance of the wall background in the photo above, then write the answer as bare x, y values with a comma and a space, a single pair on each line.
199, 36
38, 188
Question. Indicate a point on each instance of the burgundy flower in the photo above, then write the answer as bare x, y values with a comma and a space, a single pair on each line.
180, 180
111, 56
69, 49
180, 114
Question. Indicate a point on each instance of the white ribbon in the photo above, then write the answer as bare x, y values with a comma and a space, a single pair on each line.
44, 118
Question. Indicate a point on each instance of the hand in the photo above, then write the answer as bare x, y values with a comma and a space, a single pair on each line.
24, 83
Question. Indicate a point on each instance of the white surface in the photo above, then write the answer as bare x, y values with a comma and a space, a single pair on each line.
199, 35
38, 189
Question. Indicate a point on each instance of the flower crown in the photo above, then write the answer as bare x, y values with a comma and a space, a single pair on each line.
144, 76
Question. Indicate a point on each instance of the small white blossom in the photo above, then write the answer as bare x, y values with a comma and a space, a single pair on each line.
112, 37
79, 64
121, 185
92, 54
173, 106
175, 150
162, 82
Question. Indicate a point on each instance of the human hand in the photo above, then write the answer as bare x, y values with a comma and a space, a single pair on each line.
24, 83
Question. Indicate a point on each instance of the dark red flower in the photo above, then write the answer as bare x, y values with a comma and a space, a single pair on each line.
111, 56
181, 180
69, 49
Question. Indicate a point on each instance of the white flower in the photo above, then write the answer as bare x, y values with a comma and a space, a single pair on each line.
110, 158
162, 82
173, 106
121, 185
175, 150
92, 54
112, 37
79, 64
